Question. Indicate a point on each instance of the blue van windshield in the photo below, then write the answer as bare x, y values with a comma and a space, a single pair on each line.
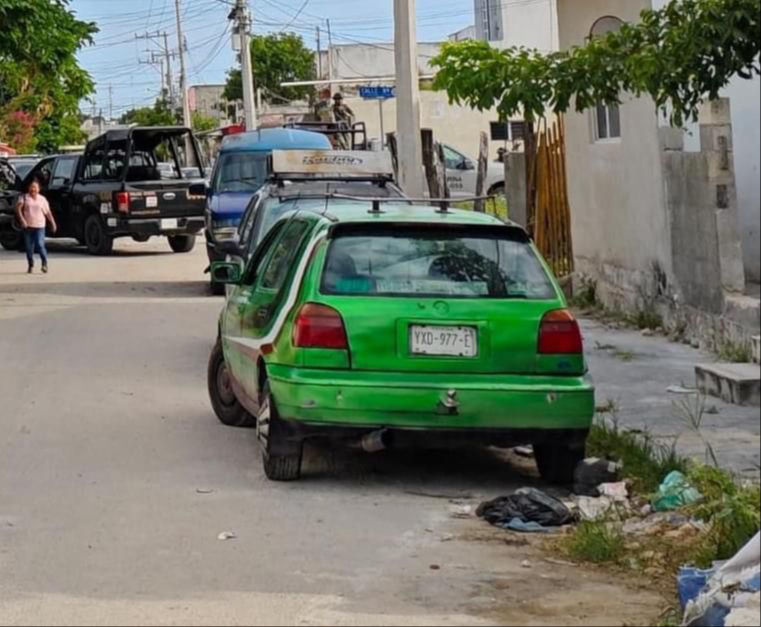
240, 172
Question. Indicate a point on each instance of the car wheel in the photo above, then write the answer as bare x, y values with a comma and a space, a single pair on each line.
98, 242
182, 243
282, 458
13, 241
141, 239
499, 191
557, 464
226, 406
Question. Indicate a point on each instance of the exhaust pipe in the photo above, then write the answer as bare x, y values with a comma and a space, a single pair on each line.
377, 441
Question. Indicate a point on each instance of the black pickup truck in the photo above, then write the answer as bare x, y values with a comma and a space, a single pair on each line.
129, 183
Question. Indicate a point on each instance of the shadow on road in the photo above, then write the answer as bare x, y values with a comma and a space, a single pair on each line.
132, 289
72, 250
426, 473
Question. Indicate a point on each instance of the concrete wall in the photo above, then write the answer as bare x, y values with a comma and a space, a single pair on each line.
362, 60
745, 96
458, 126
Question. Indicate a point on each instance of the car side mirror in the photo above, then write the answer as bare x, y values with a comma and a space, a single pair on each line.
230, 247
226, 273
198, 189
467, 166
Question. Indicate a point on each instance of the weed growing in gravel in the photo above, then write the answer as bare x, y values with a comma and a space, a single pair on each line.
735, 353
597, 542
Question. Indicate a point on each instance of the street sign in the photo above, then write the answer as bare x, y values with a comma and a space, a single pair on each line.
377, 93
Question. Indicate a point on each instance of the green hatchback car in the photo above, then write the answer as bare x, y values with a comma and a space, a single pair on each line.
394, 325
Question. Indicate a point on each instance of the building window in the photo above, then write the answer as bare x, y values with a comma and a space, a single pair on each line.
607, 118
514, 131
607, 122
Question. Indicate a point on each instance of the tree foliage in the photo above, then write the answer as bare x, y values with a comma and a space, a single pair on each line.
160, 114
680, 56
203, 122
277, 58
39, 71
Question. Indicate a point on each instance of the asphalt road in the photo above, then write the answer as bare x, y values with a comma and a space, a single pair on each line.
116, 481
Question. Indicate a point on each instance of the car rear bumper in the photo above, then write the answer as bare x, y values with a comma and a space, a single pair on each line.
154, 226
495, 405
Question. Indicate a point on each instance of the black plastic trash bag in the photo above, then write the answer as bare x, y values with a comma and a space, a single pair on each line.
592, 473
527, 505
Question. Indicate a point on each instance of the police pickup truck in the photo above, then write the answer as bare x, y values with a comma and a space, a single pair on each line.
117, 189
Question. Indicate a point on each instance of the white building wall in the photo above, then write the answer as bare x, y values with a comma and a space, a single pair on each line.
458, 126
616, 188
532, 24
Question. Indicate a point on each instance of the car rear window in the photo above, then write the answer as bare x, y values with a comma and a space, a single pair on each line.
435, 262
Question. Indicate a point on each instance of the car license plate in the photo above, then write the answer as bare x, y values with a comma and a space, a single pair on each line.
170, 224
444, 341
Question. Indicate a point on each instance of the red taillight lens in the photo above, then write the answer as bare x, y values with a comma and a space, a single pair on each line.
318, 326
122, 202
560, 334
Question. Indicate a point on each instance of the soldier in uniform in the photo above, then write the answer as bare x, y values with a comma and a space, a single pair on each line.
344, 118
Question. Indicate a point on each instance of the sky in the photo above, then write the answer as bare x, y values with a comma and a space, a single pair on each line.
117, 58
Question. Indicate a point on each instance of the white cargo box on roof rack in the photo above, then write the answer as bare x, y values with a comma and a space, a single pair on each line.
332, 163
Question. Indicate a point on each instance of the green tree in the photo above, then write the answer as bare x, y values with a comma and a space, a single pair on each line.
202, 122
160, 114
39, 71
680, 56
277, 58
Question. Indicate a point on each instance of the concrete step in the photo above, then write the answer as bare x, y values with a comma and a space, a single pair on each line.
757, 349
738, 384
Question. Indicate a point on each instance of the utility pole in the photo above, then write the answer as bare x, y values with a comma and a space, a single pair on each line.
408, 96
243, 28
330, 58
110, 102
169, 77
164, 58
319, 53
187, 118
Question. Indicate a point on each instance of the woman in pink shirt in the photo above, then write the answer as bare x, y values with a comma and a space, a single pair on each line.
33, 213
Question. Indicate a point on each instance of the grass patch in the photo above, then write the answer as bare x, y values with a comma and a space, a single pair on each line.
610, 406
597, 543
732, 509
625, 356
645, 461
495, 206
734, 353
647, 319
586, 297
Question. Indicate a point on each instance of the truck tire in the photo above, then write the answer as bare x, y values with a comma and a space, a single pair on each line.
226, 406
98, 242
182, 243
557, 463
282, 459
12, 240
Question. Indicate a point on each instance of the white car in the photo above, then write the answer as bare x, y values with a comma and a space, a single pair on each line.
462, 174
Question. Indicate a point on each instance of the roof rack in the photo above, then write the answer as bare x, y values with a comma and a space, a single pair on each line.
443, 203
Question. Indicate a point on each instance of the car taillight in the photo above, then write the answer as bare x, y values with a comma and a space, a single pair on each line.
318, 326
122, 202
560, 334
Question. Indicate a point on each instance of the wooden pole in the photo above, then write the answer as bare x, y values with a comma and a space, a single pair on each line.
483, 172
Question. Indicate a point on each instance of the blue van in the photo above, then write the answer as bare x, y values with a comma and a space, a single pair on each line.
240, 171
